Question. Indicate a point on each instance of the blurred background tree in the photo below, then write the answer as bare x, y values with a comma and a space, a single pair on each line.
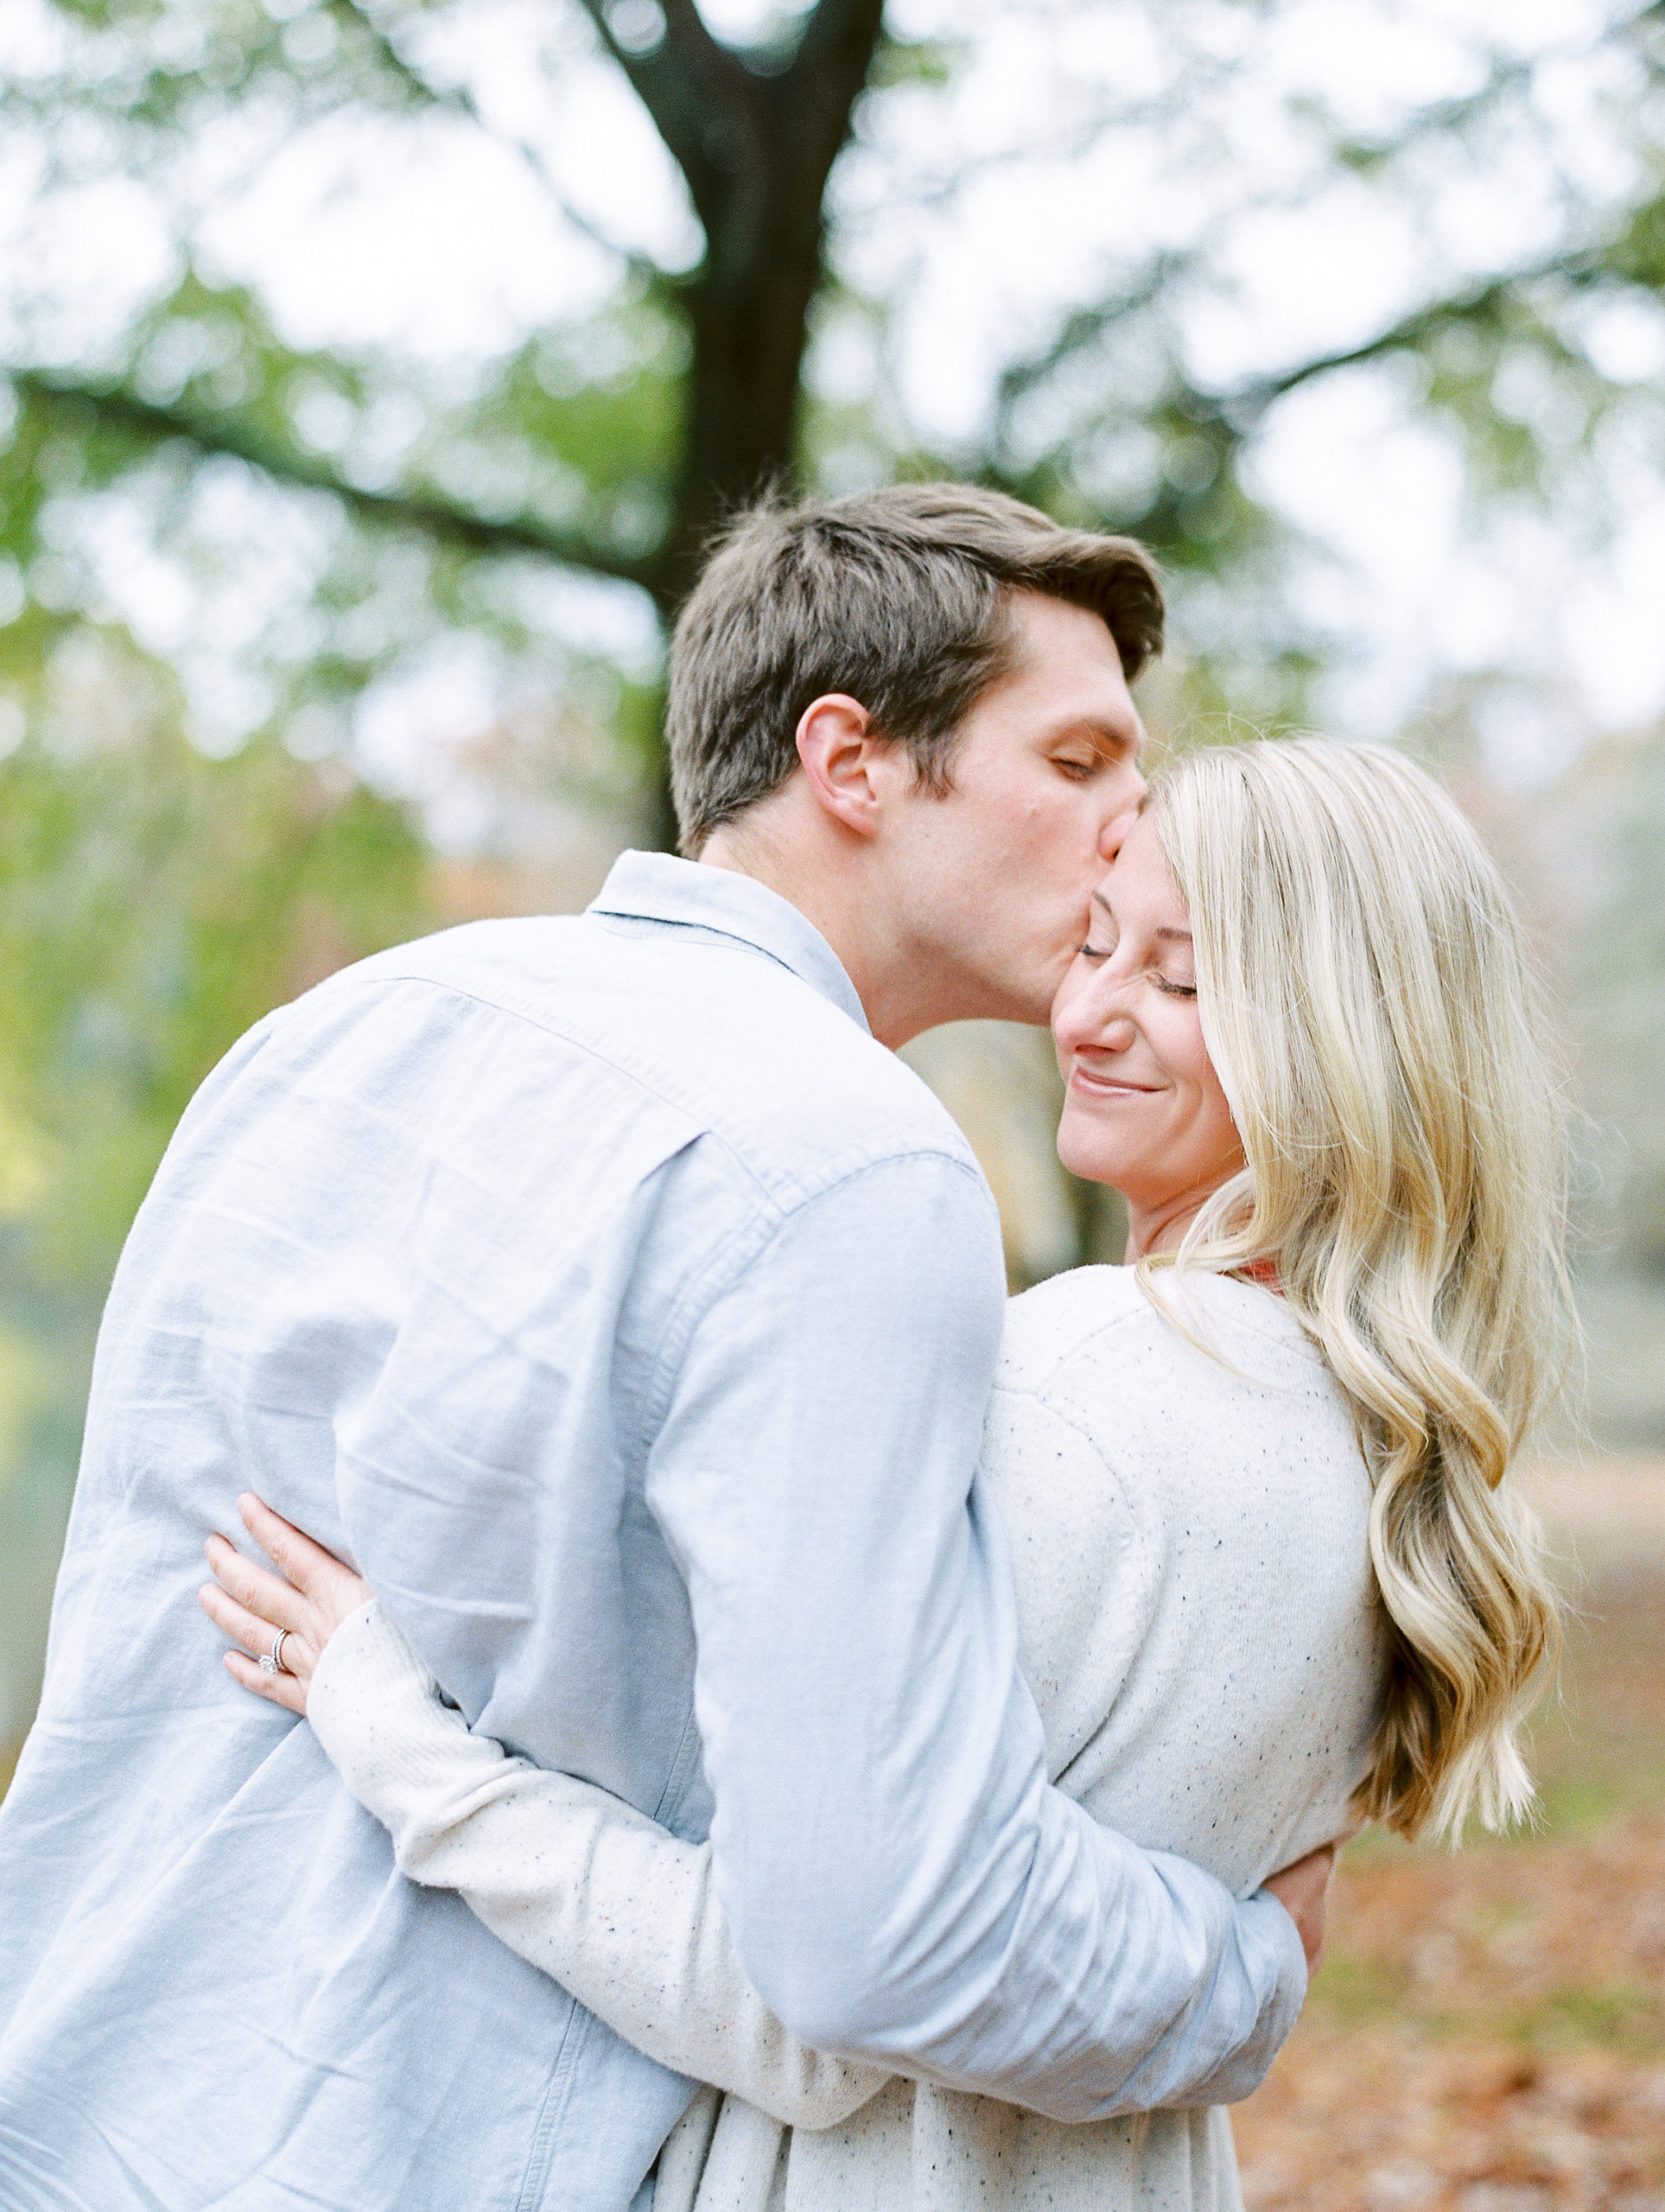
371, 371
770, 317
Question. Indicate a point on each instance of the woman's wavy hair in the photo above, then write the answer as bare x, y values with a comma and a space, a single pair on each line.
1366, 1001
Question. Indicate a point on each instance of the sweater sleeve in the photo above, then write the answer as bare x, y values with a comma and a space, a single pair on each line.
602, 1899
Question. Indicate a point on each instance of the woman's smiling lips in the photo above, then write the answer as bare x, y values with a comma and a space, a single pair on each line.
1109, 1086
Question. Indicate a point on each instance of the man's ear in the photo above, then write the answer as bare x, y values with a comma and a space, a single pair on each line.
843, 761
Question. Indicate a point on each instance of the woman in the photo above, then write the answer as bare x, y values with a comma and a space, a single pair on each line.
1270, 1577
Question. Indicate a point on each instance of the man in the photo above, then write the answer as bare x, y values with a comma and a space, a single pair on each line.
626, 1311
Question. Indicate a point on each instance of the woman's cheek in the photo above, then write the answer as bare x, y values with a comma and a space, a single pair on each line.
1078, 977
1077, 1147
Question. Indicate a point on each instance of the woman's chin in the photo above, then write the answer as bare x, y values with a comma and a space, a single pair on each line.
1087, 1156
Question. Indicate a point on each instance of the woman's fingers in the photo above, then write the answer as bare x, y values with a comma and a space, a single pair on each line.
266, 1595
256, 1635
307, 1565
236, 1621
252, 1605
287, 1690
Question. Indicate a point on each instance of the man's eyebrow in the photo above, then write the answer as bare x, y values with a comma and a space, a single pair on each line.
1105, 736
1108, 736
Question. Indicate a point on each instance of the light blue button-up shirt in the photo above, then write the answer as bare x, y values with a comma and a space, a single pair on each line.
627, 1313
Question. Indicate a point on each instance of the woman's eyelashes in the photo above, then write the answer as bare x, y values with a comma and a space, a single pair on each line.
1167, 984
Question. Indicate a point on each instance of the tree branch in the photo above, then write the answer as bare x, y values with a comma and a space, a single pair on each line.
458, 100
832, 63
1251, 400
1239, 410
1081, 330
840, 37
699, 96
423, 512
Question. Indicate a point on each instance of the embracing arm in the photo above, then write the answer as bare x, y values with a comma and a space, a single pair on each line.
588, 1889
902, 1883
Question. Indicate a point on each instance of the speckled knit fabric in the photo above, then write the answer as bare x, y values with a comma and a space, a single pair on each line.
1188, 1540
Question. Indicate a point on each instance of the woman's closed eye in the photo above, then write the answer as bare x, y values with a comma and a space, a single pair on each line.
1169, 985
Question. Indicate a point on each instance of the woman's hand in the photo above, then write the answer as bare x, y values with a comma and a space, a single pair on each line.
252, 1607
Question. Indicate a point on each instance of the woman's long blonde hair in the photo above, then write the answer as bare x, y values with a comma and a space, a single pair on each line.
1367, 1004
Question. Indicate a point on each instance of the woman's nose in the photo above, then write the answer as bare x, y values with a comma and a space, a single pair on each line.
1115, 1034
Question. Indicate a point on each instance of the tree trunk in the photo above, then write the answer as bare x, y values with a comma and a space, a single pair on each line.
756, 143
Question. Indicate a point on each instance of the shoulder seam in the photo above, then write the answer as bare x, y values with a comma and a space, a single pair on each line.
716, 1280
1100, 1451
1100, 1326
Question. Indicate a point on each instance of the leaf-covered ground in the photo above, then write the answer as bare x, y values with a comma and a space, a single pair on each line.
1487, 2033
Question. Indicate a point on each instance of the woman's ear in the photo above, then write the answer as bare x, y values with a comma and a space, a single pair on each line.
840, 754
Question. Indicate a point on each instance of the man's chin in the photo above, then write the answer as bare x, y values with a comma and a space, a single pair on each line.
1025, 997
1033, 1012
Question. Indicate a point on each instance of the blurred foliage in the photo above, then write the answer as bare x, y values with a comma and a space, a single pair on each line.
266, 535
153, 905
1607, 836
407, 499
226, 549
316, 606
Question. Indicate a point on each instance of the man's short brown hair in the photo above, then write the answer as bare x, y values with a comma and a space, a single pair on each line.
900, 598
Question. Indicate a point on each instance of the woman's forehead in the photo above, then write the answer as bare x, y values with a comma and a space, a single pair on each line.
1138, 883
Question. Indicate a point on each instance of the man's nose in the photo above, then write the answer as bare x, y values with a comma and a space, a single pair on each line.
1124, 813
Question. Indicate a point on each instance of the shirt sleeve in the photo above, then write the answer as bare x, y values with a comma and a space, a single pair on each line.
588, 1889
903, 1885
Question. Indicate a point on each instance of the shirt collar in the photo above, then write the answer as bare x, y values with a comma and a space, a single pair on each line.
657, 887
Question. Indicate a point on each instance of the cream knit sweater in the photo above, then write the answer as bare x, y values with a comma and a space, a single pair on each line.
1188, 1538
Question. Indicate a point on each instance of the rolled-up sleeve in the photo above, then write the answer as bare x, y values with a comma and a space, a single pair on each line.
903, 1884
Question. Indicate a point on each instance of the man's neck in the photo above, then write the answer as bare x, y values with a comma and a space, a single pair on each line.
828, 889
